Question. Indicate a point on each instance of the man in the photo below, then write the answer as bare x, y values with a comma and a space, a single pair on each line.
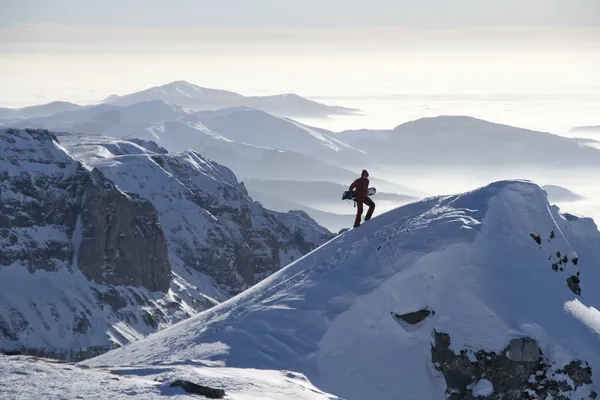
361, 185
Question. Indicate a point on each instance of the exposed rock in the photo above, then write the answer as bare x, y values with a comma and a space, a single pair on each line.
205, 391
122, 242
414, 317
573, 284
47, 190
536, 237
578, 373
518, 372
524, 350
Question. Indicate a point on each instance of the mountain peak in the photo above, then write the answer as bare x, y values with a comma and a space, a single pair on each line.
483, 264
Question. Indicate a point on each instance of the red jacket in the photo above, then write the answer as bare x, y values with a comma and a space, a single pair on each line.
361, 185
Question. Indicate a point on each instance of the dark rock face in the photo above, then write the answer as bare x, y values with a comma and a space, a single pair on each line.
122, 242
518, 372
414, 317
205, 391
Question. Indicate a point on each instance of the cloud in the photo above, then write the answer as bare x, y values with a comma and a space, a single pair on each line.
236, 14
61, 37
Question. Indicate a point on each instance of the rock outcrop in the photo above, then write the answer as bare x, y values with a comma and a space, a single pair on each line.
517, 372
121, 240
55, 213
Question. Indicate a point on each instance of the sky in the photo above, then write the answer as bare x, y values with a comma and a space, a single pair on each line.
147, 26
305, 13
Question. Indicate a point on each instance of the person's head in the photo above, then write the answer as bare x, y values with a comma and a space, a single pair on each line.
364, 174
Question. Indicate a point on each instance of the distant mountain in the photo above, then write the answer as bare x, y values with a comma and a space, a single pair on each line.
198, 98
177, 129
42, 110
461, 140
586, 129
103, 241
486, 294
561, 194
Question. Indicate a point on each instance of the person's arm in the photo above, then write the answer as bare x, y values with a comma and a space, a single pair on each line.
353, 185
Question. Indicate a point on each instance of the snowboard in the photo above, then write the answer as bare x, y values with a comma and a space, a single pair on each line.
351, 195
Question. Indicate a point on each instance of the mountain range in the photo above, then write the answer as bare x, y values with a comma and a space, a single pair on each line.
194, 98
104, 241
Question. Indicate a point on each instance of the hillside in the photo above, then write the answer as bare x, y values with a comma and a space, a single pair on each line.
480, 293
104, 241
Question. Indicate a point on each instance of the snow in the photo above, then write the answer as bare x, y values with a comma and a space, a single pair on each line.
469, 257
28, 377
482, 388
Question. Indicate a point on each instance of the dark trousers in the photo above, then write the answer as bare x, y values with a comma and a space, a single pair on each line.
359, 209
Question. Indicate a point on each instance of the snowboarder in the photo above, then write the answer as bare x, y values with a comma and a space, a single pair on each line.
362, 185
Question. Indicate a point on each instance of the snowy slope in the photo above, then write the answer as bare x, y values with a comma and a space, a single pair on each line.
496, 266
26, 378
198, 98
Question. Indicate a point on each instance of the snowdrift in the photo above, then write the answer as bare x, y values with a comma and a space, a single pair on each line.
490, 292
55, 380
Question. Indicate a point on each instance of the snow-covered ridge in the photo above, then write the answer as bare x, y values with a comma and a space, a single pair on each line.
104, 241
415, 301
